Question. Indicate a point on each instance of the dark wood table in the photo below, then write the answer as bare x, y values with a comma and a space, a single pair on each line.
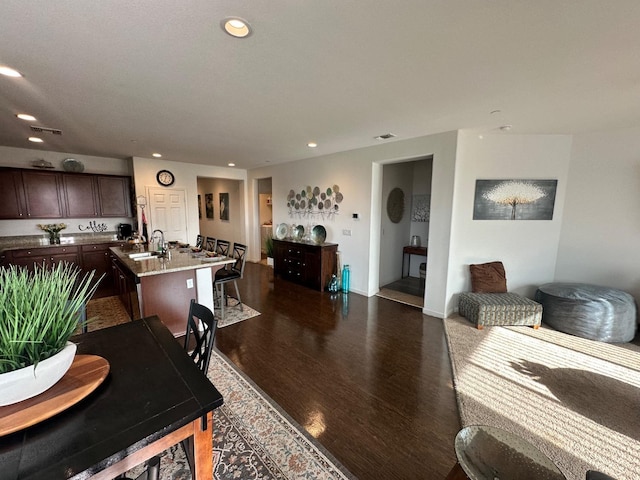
153, 397
408, 250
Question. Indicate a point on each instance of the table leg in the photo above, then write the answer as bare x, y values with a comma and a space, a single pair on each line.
222, 302
203, 447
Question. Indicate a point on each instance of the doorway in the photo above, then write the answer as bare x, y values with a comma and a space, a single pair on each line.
404, 233
265, 215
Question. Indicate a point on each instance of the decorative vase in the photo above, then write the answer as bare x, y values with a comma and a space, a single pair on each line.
27, 382
54, 238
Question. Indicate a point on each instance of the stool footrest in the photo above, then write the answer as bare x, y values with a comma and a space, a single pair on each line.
485, 309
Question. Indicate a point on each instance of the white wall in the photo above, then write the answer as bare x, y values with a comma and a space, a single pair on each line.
601, 228
232, 229
23, 158
394, 236
528, 248
359, 175
186, 174
422, 172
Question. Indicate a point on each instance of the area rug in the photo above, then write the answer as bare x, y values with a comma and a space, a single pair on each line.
253, 438
401, 297
577, 400
105, 312
232, 314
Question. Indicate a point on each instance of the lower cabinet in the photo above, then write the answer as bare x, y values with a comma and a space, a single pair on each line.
126, 288
47, 256
88, 257
305, 263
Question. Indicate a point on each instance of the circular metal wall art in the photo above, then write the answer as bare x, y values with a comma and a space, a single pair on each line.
395, 205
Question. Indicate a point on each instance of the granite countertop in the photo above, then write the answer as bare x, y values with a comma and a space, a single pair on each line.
42, 241
178, 260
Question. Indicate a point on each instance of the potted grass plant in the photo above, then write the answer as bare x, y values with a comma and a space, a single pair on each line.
39, 312
268, 246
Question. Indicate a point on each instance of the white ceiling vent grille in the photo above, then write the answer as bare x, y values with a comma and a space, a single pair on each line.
54, 131
386, 136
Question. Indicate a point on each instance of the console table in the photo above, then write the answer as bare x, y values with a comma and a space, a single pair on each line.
308, 264
408, 250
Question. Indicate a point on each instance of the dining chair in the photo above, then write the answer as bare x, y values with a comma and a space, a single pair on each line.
233, 274
222, 247
210, 244
201, 326
199, 240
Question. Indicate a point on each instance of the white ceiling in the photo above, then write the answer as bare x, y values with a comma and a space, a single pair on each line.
126, 78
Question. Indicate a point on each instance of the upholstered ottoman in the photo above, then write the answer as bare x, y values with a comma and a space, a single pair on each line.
589, 311
499, 309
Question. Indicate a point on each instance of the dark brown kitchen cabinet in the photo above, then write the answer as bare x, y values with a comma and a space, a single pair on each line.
126, 288
96, 257
11, 194
42, 193
47, 256
80, 195
305, 263
114, 196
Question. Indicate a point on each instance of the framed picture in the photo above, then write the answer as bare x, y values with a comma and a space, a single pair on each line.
208, 199
514, 199
420, 208
199, 207
224, 206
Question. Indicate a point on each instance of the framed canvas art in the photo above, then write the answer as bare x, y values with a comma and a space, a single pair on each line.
514, 199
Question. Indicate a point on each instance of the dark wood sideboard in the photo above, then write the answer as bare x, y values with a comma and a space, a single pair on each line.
308, 264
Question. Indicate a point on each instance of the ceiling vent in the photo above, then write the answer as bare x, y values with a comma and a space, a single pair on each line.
54, 131
386, 136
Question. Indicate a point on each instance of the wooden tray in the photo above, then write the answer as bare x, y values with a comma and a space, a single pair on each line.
82, 378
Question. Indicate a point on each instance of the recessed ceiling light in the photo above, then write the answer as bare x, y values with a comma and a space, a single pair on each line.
35, 140
9, 72
231, 164
312, 144
480, 137
24, 116
236, 27
157, 155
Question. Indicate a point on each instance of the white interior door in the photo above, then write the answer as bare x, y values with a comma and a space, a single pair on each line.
168, 212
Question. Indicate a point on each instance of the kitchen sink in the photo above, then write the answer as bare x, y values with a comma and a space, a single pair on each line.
143, 255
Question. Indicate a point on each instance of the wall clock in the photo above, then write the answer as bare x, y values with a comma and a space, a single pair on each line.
165, 178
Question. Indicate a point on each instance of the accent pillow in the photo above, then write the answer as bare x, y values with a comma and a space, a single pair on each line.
488, 278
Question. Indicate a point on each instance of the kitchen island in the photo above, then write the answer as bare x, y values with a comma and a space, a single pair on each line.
149, 284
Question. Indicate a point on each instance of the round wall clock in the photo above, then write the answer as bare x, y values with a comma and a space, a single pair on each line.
165, 178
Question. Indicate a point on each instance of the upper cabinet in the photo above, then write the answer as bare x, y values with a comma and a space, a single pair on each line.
80, 195
42, 194
115, 196
11, 195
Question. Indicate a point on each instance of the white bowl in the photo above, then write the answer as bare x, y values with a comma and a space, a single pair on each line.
30, 381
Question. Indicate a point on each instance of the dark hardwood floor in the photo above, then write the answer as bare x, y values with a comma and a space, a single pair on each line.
368, 377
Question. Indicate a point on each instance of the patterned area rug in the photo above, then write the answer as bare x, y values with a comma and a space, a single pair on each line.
252, 438
233, 314
574, 399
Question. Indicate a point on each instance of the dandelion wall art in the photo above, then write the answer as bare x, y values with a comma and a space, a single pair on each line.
514, 199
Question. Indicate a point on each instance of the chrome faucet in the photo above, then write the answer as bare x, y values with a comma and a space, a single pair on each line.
162, 247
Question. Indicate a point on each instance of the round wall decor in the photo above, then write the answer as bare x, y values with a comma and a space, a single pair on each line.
395, 205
